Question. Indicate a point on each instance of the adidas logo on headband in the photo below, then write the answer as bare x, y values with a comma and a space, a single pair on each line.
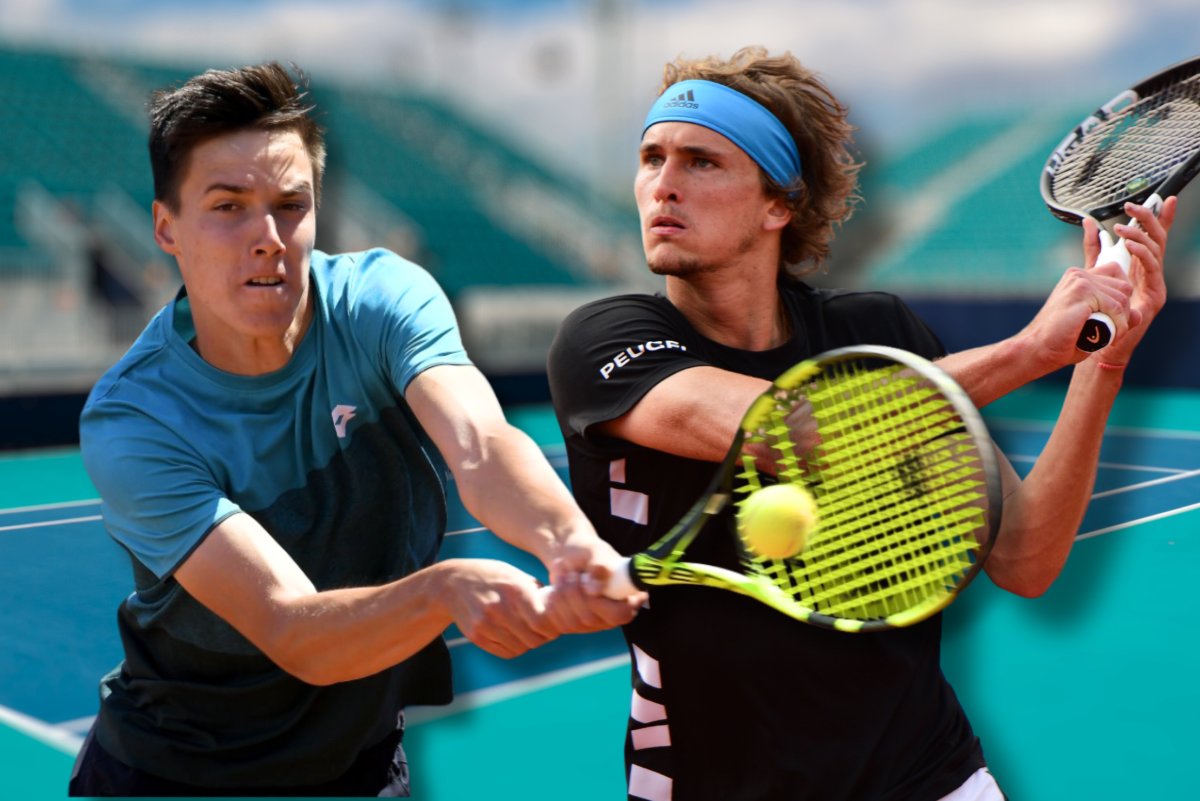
684, 100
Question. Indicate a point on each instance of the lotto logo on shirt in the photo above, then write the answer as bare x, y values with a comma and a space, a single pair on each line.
634, 351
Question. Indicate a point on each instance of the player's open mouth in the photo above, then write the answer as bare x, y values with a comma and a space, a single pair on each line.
265, 281
665, 225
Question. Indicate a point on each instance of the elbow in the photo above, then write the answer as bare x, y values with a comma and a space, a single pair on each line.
312, 674
1022, 582
305, 668
1028, 589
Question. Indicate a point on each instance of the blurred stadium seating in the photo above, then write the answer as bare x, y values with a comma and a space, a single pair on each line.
956, 218
405, 172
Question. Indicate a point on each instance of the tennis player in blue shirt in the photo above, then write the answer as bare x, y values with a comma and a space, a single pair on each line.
272, 455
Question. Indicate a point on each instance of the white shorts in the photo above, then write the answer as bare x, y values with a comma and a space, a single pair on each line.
981, 786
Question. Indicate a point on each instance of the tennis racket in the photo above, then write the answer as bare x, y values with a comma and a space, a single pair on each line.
906, 487
1142, 146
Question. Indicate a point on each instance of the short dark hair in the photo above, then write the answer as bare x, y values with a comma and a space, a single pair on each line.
817, 120
216, 102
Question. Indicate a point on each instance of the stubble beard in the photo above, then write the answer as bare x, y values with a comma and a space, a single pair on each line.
686, 266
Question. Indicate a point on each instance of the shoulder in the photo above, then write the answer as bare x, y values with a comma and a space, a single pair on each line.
865, 317
368, 275
140, 378
615, 321
375, 293
617, 311
629, 305
844, 301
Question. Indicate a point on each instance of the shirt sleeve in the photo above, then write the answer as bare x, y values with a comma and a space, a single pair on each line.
399, 306
607, 355
159, 499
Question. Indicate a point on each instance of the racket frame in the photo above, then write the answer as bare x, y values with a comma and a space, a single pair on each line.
1099, 329
663, 563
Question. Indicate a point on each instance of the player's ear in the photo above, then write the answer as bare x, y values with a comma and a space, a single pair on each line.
163, 227
778, 215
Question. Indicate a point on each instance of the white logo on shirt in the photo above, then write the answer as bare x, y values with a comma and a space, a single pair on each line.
624, 357
342, 414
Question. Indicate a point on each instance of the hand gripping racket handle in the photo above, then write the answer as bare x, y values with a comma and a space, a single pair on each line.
618, 587
1099, 329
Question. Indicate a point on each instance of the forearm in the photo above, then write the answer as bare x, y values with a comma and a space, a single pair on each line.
345, 634
990, 372
1042, 517
241, 574
694, 413
510, 487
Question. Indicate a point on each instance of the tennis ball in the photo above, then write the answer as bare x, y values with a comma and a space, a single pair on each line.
776, 521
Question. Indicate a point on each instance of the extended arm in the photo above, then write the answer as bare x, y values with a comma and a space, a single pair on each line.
1043, 513
505, 482
241, 574
244, 576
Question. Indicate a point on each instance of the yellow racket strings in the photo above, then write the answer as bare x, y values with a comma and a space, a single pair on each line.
898, 484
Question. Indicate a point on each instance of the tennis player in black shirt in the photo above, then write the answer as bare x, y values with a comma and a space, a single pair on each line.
745, 170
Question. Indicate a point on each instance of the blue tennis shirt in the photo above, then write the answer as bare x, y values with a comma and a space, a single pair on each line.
327, 456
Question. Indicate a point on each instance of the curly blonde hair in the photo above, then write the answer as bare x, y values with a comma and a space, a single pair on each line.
826, 194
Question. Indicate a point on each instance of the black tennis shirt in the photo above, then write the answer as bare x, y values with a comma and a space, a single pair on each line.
732, 700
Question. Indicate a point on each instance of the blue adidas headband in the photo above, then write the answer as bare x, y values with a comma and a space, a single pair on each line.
740, 119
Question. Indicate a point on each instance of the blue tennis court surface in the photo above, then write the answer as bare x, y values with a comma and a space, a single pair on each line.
1088, 692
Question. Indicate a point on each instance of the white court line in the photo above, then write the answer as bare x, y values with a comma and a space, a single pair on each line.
45, 523
1131, 523
52, 736
515, 689
1121, 431
1173, 475
46, 507
1132, 468
60, 738
93, 518
78, 726
70, 733
1144, 484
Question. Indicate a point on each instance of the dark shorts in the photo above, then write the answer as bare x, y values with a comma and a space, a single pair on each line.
379, 771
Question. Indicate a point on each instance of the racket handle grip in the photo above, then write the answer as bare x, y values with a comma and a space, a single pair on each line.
620, 584
1097, 332
1111, 251
1099, 329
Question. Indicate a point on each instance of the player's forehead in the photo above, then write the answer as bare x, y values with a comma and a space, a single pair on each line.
248, 158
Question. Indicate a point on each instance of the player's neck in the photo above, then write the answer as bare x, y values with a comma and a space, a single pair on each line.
742, 314
241, 353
